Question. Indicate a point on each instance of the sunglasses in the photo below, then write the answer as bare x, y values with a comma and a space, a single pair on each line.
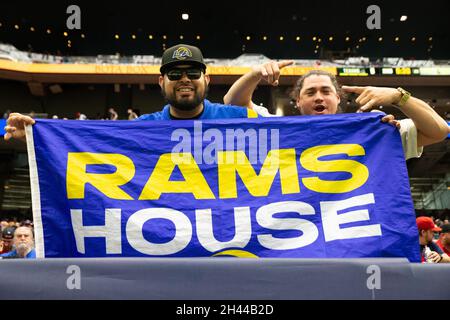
177, 74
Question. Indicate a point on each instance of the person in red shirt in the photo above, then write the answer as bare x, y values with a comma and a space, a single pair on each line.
444, 239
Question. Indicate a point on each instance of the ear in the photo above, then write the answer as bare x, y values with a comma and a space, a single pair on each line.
161, 81
298, 105
207, 79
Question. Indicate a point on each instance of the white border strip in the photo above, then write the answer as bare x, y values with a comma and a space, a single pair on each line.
35, 194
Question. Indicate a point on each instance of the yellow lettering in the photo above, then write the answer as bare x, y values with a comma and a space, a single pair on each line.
309, 159
232, 162
106, 183
159, 182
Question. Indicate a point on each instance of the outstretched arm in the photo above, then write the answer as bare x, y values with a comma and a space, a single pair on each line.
241, 91
15, 126
431, 128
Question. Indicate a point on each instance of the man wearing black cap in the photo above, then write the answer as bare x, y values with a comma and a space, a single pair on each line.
7, 239
184, 85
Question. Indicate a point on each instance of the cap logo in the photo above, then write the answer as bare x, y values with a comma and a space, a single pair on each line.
182, 53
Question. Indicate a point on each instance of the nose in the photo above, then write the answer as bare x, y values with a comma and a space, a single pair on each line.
318, 96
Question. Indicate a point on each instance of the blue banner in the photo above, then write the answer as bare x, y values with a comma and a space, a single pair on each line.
307, 186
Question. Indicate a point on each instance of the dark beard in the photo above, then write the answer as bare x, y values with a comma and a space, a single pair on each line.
184, 105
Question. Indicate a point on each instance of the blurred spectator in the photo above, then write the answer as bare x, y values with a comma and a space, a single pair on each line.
23, 244
4, 224
430, 251
7, 239
27, 223
6, 114
80, 116
131, 114
112, 114
444, 239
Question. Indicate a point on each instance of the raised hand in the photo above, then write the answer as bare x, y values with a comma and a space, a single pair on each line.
15, 126
369, 97
270, 71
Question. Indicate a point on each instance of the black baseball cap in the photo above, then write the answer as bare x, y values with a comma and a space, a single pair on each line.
8, 233
181, 54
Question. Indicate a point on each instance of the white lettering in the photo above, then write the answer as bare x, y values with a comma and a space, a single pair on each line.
331, 220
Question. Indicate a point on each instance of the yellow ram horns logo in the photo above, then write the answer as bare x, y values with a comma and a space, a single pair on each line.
182, 53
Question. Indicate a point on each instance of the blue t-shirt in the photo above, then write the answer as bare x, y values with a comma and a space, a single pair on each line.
13, 253
210, 111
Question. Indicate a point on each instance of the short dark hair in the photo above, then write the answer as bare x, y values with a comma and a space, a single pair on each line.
299, 84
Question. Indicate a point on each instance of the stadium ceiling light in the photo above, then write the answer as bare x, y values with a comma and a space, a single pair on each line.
185, 16
403, 18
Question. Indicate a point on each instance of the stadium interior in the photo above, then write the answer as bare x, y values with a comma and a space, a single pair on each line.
112, 61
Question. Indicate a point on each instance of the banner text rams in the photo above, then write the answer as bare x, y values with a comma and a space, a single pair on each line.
352, 173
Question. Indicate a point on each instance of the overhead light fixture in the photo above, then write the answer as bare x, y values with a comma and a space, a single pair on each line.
248, 38
150, 36
198, 37
403, 18
65, 34
297, 38
83, 36
49, 31
281, 38
347, 38
185, 16
116, 36
133, 36
16, 26
265, 38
